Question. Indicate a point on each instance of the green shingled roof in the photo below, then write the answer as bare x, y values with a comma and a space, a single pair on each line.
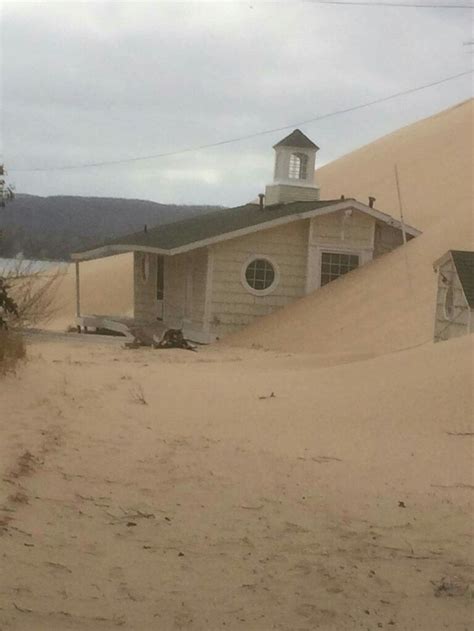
296, 139
464, 262
208, 225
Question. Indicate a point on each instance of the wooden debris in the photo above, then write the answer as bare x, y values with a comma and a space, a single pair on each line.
270, 396
174, 338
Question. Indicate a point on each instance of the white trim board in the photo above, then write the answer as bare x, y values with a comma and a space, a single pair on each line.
281, 221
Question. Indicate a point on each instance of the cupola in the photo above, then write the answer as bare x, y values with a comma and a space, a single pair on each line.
293, 178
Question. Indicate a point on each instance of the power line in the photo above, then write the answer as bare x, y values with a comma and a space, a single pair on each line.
249, 136
410, 5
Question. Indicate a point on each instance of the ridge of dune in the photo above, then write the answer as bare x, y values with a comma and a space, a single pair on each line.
434, 157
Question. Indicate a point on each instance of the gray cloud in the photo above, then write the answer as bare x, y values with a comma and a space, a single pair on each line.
102, 81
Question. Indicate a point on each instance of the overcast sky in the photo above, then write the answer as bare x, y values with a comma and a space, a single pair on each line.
97, 81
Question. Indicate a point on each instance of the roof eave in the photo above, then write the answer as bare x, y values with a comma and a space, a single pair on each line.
114, 249
346, 204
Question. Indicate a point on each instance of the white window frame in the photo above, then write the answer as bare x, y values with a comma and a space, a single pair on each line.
276, 279
314, 262
336, 251
298, 171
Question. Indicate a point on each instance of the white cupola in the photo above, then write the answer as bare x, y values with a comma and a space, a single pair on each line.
293, 178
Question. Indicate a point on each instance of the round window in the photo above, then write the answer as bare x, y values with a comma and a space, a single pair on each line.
449, 303
260, 274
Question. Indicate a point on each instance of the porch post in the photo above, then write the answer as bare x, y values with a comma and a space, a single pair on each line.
78, 292
208, 294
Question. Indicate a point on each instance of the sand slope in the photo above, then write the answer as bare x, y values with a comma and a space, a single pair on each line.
388, 304
435, 164
154, 490
106, 289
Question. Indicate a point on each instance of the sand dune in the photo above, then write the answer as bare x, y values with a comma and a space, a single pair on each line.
435, 164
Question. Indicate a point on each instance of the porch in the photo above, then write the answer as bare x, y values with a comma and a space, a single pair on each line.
168, 292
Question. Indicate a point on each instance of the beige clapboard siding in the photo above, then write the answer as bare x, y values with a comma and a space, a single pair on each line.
232, 304
237, 289
352, 231
198, 263
386, 239
293, 265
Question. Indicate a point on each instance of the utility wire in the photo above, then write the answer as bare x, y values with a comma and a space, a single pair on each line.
410, 5
247, 137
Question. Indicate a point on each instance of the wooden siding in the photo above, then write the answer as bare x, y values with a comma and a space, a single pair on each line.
354, 231
387, 238
462, 321
233, 305
284, 193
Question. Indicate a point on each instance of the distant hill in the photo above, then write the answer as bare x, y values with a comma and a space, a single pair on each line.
53, 227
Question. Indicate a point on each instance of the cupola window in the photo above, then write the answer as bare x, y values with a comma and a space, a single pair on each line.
298, 166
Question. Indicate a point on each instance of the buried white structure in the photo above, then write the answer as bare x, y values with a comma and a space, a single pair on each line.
455, 296
212, 274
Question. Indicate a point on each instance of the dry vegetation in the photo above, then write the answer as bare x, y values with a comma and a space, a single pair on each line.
33, 289
12, 350
26, 300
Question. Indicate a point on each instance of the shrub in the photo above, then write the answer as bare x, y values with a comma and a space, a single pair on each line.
8, 307
12, 346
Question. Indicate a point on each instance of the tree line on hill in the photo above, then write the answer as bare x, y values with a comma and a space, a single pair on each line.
54, 227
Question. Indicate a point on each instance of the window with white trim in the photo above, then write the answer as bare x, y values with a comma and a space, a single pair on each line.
337, 264
260, 274
298, 168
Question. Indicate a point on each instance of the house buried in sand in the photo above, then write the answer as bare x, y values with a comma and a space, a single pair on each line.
215, 273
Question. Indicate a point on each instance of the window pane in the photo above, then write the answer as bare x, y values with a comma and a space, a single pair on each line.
260, 274
336, 264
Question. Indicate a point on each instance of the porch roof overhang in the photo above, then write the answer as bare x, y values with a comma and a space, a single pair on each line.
204, 230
